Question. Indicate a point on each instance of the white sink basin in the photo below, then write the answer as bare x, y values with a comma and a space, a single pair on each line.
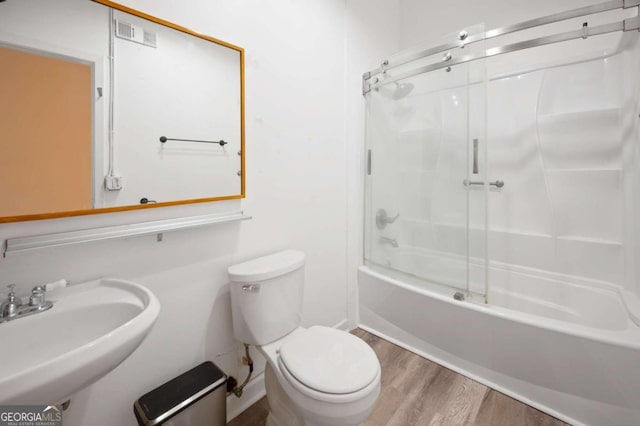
90, 329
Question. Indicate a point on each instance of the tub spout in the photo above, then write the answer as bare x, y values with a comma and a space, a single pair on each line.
387, 240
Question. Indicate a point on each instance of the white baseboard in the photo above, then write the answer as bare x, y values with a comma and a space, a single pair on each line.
343, 325
251, 394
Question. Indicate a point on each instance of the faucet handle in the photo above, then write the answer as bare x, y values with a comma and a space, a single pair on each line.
11, 296
37, 296
382, 218
9, 307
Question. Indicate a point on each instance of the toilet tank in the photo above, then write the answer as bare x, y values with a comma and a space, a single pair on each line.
266, 296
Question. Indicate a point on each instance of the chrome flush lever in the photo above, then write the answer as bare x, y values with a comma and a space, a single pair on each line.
475, 156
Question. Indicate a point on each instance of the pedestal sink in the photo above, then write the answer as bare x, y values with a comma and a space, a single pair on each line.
91, 328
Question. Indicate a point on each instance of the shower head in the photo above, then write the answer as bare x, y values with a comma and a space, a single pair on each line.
401, 90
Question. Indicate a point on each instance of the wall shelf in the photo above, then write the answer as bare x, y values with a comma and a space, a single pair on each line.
22, 245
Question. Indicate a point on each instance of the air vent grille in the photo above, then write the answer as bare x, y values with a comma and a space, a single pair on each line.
125, 30
149, 38
135, 33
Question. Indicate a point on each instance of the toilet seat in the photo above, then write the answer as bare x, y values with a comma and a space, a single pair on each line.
329, 361
327, 364
331, 398
291, 398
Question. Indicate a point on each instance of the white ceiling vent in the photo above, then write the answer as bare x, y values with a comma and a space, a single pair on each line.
135, 33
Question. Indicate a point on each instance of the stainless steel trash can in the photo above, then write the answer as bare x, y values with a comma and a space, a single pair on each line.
195, 398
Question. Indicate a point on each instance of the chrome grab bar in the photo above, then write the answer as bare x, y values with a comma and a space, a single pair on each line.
497, 184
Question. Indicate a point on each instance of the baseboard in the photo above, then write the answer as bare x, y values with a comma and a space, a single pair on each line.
343, 325
251, 394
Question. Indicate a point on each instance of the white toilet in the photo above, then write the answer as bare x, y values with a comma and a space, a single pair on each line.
314, 376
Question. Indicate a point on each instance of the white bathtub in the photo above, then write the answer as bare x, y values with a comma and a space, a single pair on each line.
566, 347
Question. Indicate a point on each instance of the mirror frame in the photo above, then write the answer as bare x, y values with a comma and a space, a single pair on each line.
240, 50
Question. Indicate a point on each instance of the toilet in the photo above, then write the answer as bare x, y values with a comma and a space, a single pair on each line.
314, 376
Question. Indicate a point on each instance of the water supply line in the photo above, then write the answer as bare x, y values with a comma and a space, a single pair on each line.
232, 383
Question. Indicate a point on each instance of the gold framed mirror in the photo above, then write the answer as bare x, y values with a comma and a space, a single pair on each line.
107, 109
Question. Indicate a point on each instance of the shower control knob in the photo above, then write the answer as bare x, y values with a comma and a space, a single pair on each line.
382, 218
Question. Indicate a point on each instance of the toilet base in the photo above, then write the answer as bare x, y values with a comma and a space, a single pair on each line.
284, 412
281, 411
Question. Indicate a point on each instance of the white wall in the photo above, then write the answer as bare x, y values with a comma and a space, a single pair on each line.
296, 193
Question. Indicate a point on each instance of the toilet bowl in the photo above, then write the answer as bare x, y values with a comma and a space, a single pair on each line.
314, 376
337, 386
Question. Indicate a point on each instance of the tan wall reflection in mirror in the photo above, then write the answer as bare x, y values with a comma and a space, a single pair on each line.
65, 136
46, 167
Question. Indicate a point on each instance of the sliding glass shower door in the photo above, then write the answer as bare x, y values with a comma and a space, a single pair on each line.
425, 182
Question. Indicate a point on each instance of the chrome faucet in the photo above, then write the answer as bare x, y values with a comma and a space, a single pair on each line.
13, 308
388, 240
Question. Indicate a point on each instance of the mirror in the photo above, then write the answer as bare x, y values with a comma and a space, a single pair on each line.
104, 108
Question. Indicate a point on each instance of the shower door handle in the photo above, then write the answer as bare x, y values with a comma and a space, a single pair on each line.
475, 156
497, 183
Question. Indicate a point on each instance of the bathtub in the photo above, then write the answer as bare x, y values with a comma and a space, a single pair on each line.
563, 345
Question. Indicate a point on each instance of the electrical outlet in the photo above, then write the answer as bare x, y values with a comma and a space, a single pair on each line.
113, 183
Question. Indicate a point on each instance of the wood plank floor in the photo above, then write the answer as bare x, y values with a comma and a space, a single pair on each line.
416, 391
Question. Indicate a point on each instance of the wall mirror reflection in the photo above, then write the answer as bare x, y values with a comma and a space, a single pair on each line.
103, 108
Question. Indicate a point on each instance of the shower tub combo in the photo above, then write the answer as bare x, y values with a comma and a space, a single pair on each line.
501, 205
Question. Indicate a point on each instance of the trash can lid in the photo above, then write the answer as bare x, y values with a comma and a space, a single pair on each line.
169, 399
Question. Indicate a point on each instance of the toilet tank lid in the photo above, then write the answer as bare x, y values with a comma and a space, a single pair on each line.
266, 267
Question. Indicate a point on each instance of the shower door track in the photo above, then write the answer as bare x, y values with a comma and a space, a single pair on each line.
371, 81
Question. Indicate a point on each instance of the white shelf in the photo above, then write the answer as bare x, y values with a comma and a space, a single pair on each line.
589, 240
15, 246
602, 110
586, 170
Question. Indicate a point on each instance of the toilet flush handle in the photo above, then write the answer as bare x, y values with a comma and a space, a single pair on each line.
251, 288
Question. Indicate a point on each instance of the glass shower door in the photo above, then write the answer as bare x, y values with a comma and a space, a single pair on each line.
426, 189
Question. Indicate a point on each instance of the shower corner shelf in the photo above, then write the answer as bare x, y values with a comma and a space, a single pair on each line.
579, 113
22, 245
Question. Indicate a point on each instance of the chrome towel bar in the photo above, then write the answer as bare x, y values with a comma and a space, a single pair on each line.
163, 139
